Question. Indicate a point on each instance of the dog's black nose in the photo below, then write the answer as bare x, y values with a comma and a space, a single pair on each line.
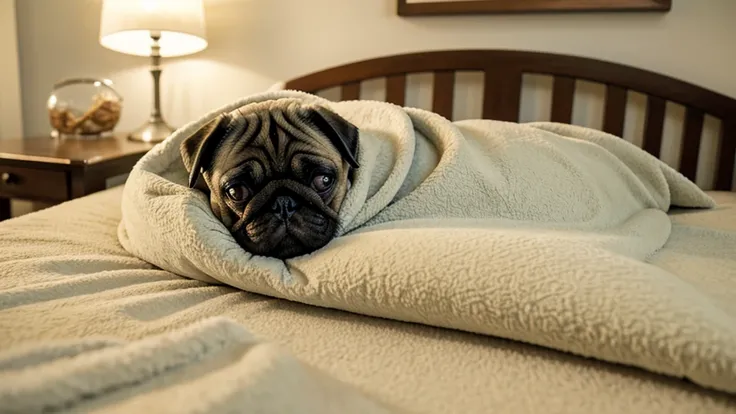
284, 206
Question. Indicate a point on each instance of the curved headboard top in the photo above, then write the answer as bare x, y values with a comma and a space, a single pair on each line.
503, 72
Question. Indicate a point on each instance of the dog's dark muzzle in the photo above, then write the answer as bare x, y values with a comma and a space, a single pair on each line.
284, 206
283, 198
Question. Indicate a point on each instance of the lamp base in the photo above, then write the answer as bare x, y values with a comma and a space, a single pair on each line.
155, 130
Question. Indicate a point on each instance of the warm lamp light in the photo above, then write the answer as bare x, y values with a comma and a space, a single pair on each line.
155, 28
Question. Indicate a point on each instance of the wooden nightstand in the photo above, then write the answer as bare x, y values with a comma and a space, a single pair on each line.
52, 171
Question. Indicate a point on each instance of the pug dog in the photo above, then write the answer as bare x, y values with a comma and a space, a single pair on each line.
276, 175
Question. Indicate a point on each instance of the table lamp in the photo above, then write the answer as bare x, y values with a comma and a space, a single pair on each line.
155, 28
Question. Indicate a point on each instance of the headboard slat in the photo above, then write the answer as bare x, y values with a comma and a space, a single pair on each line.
563, 95
443, 93
502, 93
727, 155
654, 125
350, 91
396, 89
615, 110
691, 134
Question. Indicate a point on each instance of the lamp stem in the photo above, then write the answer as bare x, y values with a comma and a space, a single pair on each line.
156, 73
156, 129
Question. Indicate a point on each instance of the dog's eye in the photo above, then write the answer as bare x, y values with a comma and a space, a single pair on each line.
322, 182
238, 192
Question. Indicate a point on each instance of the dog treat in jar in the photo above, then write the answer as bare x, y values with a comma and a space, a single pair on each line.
84, 108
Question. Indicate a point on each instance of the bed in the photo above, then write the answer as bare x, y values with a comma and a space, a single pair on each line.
103, 291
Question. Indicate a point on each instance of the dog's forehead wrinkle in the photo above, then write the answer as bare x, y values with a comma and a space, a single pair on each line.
299, 127
263, 137
243, 130
274, 136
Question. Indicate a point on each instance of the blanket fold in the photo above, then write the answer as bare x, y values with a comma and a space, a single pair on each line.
212, 366
534, 232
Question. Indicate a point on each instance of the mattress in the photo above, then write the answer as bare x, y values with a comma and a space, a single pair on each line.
103, 290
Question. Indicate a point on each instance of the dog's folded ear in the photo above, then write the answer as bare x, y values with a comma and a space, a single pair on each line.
197, 149
342, 134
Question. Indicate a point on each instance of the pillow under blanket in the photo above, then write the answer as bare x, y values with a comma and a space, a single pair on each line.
533, 232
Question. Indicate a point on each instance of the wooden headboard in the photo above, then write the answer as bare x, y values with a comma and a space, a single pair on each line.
503, 71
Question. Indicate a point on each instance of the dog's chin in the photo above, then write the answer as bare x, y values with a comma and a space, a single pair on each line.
270, 236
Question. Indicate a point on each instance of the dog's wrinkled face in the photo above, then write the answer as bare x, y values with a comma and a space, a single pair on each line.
276, 174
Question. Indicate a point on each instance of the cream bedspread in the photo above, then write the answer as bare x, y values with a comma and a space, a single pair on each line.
64, 275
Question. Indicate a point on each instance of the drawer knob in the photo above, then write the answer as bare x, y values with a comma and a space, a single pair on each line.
7, 178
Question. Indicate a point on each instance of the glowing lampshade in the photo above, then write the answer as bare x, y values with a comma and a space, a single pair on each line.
157, 29
127, 26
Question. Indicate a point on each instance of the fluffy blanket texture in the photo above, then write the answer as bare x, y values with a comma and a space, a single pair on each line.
212, 366
532, 232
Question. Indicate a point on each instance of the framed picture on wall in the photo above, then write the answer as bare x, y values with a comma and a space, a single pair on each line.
454, 7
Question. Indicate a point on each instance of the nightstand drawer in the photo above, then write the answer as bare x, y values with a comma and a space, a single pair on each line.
32, 183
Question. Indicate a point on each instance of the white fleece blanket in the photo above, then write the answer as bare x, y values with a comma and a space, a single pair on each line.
212, 366
537, 233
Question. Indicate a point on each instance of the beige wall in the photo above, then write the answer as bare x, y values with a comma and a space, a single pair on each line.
11, 122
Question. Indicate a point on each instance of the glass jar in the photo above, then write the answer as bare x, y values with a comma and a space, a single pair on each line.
84, 108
